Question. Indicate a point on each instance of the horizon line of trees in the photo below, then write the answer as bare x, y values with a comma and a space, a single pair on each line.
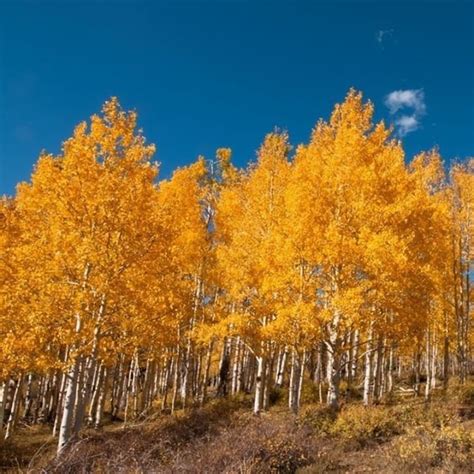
339, 262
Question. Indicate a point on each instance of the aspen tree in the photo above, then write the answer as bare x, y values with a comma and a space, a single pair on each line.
249, 213
341, 262
94, 226
357, 199
463, 257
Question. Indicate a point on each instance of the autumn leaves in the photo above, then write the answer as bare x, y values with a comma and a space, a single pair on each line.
104, 270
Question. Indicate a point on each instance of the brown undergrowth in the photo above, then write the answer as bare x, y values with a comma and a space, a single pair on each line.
400, 435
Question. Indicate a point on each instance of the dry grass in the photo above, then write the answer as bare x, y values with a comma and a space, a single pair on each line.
217, 439
28, 446
406, 436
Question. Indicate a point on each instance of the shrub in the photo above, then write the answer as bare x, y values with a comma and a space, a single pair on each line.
465, 394
440, 416
277, 396
432, 415
310, 392
449, 448
350, 392
212, 439
319, 418
390, 398
282, 455
364, 424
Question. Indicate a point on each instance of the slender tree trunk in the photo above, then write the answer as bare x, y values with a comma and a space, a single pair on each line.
147, 396
319, 371
135, 386
69, 403
434, 356
355, 355
446, 363
67, 419
97, 390
224, 367
293, 401
169, 367
59, 409
268, 375
428, 365
368, 367
205, 376
378, 370
416, 369
101, 400
36, 407
281, 368
259, 384
236, 366
88, 370
53, 399
250, 372
2, 408
119, 383
390, 370
301, 379
79, 400
333, 366
186, 363
175, 379
28, 396
44, 397
15, 407
350, 358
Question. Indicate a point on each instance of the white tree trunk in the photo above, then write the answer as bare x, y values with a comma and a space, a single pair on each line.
301, 379
428, 365
101, 401
379, 370
177, 361
59, 408
333, 367
281, 368
293, 391
434, 348
15, 406
259, 385
390, 370
2, 407
236, 366
29, 396
368, 367
95, 393
267, 379
69, 404
355, 354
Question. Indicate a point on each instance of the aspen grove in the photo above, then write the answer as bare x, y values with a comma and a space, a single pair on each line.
340, 260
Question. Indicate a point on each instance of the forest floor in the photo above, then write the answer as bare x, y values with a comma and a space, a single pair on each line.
402, 434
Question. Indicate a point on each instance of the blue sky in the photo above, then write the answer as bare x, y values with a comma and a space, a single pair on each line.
206, 74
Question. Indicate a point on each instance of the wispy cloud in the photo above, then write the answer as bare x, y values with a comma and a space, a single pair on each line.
407, 124
382, 35
413, 99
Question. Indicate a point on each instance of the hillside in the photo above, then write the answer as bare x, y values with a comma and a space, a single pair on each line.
402, 434
322, 289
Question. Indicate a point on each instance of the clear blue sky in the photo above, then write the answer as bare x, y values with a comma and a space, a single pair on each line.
206, 74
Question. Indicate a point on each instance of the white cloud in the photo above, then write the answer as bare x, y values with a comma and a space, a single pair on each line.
382, 34
407, 124
413, 99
